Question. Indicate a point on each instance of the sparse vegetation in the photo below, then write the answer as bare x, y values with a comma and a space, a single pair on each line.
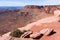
25, 31
17, 33
59, 21
24, 14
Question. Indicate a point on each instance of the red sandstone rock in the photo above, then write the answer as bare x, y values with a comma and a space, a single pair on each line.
55, 26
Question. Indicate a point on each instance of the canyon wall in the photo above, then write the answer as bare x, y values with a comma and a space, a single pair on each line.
13, 19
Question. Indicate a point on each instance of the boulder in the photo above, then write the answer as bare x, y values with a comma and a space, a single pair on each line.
26, 34
36, 35
46, 31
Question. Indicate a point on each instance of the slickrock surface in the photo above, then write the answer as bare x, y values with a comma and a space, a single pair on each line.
55, 26
39, 22
38, 28
26, 34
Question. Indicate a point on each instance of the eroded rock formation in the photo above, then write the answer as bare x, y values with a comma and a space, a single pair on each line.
11, 19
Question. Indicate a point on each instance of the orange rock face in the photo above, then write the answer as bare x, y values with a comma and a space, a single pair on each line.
55, 26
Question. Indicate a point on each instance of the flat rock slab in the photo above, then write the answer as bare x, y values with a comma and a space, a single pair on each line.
55, 26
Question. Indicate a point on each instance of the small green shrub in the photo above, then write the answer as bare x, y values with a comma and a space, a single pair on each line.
25, 31
16, 33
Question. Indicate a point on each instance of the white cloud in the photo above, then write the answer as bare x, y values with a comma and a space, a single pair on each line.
28, 2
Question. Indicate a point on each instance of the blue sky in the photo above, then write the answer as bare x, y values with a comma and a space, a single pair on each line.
28, 2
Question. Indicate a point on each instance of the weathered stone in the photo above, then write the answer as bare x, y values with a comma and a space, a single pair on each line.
46, 31
26, 34
36, 35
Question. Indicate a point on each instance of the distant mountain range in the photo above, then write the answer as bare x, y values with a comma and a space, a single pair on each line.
11, 6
